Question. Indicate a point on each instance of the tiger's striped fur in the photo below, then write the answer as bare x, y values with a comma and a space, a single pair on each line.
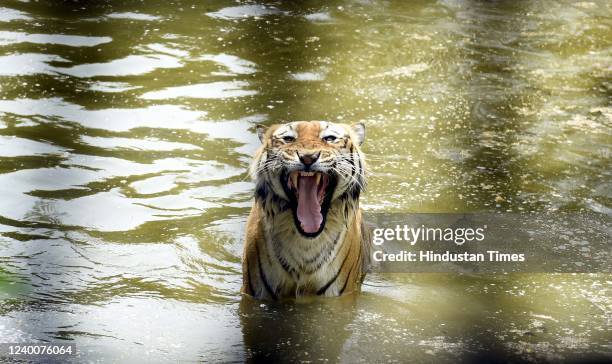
279, 260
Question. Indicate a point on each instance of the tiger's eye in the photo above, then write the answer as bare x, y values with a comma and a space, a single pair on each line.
288, 139
330, 138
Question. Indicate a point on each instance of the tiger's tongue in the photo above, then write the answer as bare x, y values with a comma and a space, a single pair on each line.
308, 209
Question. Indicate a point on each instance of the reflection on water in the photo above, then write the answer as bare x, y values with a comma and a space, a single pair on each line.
7, 38
213, 90
244, 11
126, 131
315, 330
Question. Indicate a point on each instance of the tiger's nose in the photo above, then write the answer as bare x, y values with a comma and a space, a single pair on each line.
309, 158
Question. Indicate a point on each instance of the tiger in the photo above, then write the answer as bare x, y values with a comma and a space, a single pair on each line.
305, 234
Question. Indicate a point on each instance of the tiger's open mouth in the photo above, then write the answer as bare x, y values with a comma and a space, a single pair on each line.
310, 197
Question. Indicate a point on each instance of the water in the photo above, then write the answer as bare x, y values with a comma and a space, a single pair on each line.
126, 130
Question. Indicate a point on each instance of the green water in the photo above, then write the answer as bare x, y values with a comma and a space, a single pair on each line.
126, 129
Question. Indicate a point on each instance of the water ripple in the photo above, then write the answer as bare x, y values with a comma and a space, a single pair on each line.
213, 90
7, 38
7, 15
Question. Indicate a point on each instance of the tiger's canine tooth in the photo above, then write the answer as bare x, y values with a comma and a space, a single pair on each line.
318, 178
294, 179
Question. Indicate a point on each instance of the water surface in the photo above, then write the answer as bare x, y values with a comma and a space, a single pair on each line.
126, 130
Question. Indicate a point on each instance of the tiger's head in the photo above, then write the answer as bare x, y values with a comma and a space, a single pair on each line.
308, 166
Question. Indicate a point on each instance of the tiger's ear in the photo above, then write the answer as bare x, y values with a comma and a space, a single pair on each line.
261, 132
359, 130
